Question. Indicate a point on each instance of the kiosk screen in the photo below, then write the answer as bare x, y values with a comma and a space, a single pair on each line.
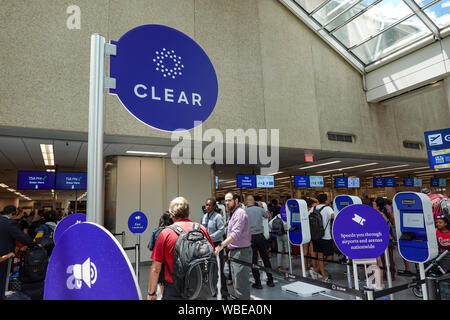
295, 217
344, 203
408, 201
413, 220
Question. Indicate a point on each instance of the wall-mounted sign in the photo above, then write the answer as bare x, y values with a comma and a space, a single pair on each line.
163, 78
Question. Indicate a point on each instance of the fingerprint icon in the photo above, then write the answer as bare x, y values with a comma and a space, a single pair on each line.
168, 63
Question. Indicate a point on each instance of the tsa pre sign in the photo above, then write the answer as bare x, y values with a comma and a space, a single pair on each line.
163, 78
361, 232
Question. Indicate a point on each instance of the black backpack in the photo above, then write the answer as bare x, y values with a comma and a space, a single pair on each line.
46, 241
194, 264
34, 265
316, 224
277, 226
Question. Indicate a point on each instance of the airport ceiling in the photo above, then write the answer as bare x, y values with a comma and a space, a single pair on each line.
24, 153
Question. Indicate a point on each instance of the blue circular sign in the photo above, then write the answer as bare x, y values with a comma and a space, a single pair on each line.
164, 78
137, 222
66, 223
361, 232
89, 264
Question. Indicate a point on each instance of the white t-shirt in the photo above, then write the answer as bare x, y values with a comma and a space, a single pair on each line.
326, 218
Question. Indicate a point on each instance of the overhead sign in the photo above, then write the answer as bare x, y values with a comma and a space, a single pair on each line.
137, 222
35, 180
246, 181
88, 263
265, 181
340, 182
379, 182
71, 181
316, 181
301, 181
438, 148
361, 232
163, 78
353, 182
66, 223
389, 182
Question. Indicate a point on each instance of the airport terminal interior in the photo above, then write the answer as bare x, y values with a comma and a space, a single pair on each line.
337, 94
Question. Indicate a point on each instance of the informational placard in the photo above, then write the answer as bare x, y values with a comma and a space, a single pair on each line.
246, 181
137, 222
71, 180
340, 182
379, 182
361, 232
389, 182
265, 181
316, 181
408, 182
353, 182
301, 181
163, 78
88, 263
438, 148
35, 180
66, 223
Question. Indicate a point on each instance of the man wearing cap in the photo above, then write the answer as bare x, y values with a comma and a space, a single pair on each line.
9, 234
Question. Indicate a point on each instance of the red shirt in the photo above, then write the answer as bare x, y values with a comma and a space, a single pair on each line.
165, 244
443, 238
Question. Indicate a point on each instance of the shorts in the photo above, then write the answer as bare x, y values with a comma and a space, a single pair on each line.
324, 246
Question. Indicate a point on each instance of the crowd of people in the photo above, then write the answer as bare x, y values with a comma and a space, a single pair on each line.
252, 230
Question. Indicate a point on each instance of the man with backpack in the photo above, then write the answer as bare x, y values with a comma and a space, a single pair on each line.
9, 234
185, 250
278, 228
320, 227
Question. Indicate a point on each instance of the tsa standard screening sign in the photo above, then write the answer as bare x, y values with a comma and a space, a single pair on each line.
361, 232
163, 78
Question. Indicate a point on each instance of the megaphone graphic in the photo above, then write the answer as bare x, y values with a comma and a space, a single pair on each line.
86, 272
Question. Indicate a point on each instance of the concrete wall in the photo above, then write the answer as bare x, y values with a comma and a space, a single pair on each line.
148, 185
273, 72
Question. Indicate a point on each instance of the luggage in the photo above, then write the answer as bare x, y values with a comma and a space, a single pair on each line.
34, 265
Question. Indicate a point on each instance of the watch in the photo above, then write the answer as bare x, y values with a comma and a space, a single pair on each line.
151, 294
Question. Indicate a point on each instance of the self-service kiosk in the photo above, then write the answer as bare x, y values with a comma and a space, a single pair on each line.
415, 230
343, 200
299, 234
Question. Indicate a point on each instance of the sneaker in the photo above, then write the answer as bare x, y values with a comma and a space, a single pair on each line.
314, 275
257, 286
270, 284
327, 280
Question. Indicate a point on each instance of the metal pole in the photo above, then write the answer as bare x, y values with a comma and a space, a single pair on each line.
123, 238
388, 271
289, 251
349, 276
422, 277
94, 208
303, 261
7, 274
137, 257
355, 277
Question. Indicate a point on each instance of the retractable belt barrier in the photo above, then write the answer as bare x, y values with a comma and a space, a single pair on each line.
334, 287
363, 294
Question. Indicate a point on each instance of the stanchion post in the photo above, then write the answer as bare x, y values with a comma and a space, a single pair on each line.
302, 261
349, 276
8, 273
388, 271
123, 238
422, 277
432, 288
138, 256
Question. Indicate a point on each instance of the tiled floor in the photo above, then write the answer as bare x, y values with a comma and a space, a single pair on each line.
337, 272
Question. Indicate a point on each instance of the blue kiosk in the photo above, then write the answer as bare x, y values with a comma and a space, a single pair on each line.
415, 231
343, 200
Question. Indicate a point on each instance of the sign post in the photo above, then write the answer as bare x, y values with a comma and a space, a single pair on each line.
137, 224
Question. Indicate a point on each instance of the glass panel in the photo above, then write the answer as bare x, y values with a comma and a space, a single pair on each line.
332, 9
309, 5
422, 3
377, 18
440, 13
391, 40
352, 12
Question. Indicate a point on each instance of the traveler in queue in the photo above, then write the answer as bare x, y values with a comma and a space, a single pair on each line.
255, 217
239, 242
9, 234
213, 221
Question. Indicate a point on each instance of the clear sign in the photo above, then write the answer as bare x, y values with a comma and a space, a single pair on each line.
88, 263
438, 148
361, 232
137, 222
164, 78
